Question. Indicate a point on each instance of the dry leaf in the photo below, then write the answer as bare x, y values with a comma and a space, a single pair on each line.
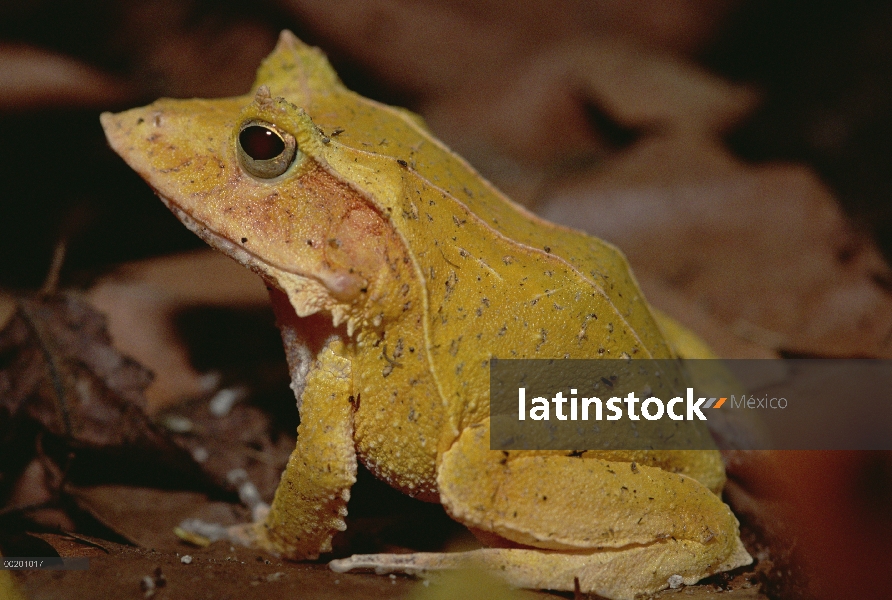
246, 437
7, 308
763, 250
640, 88
142, 300
69, 545
64, 373
64, 388
147, 516
191, 51
34, 78
825, 514
697, 317
513, 87
527, 124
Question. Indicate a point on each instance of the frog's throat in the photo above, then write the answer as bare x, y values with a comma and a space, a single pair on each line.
308, 295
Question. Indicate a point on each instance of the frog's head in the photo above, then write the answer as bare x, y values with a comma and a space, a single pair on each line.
252, 176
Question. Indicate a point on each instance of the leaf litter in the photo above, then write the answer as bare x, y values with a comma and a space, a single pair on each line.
668, 180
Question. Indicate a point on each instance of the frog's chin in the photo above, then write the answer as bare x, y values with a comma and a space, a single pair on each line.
307, 295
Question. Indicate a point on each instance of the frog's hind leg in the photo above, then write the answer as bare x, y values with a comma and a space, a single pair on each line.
618, 575
619, 529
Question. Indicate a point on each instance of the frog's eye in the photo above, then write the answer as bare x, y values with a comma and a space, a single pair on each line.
264, 150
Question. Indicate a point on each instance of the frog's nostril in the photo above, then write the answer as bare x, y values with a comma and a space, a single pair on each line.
261, 143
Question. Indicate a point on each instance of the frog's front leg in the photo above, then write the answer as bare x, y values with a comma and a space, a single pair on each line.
311, 501
619, 529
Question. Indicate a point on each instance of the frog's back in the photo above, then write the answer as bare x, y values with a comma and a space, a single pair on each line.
304, 76
498, 280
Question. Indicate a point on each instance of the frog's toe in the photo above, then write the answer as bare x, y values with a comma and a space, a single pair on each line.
202, 533
408, 564
618, 574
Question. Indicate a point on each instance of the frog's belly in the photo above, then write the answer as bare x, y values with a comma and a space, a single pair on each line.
398, 446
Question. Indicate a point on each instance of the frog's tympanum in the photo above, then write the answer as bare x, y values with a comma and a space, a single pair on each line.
396, 274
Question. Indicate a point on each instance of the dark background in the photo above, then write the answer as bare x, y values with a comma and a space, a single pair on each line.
823, 69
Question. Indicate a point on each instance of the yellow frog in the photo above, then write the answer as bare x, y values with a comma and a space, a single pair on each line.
396, 274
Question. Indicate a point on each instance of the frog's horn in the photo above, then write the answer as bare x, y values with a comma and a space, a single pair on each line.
296, 71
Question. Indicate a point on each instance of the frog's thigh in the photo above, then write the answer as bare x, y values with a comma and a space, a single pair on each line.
619, 531
553, 500
311, 500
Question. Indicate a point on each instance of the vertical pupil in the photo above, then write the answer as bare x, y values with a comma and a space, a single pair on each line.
261, 143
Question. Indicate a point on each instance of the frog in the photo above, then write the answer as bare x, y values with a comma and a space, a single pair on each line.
397, 273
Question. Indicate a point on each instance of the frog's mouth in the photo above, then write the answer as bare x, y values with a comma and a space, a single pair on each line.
306, 294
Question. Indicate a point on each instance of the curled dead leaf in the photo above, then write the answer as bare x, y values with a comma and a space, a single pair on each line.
65, 390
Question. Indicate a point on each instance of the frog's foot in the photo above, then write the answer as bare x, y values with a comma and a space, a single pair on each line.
620, 574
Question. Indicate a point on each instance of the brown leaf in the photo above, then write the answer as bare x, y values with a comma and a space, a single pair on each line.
512, 87
148, 516
436, 48
247, 437
36, 484
7, 309
67, 376
68, 545
697, 317
641, 88
61, 379
763, 250
579, 102
824, 514
141, 301
35, 78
